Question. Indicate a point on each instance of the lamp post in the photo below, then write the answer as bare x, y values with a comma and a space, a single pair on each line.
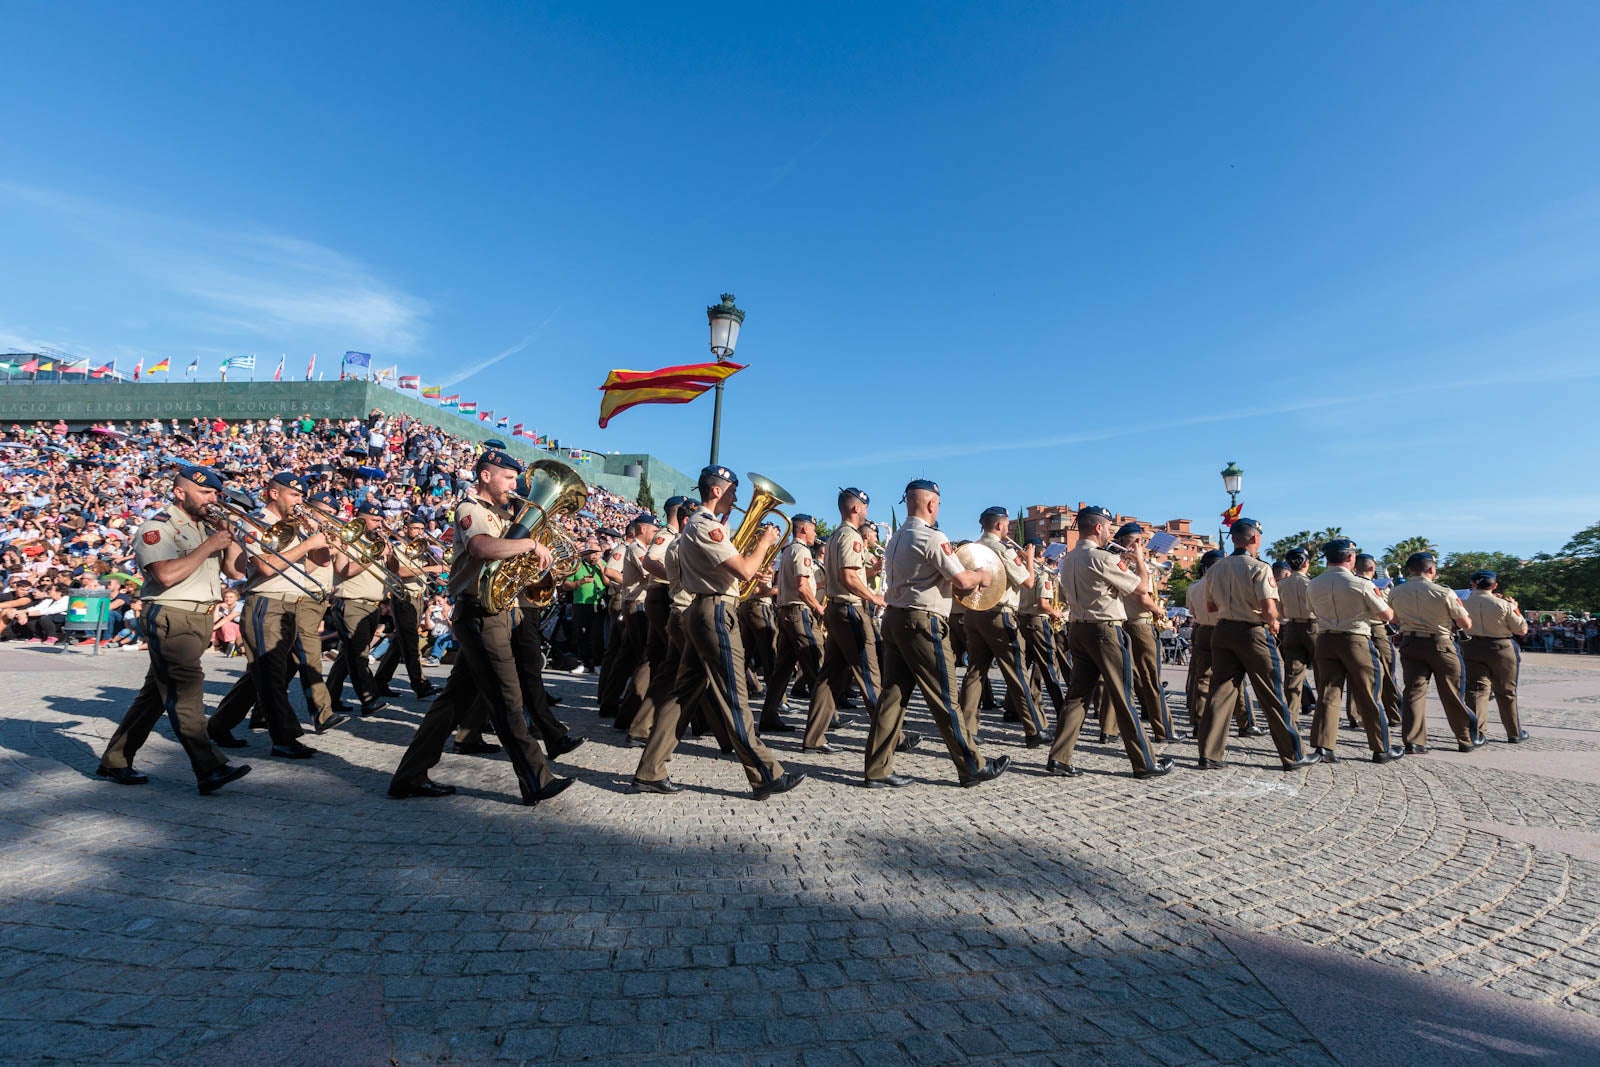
725, 321
1232, 479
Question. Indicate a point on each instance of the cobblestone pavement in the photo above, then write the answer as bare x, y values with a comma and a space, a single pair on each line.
1031, 920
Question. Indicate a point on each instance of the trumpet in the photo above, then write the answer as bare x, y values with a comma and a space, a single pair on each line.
271, 538
351, 540
766, 498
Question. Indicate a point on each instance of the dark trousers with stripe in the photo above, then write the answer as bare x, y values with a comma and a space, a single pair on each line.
1433, 658
271, 630
622, 676
174, 686
487, 663
638, 710
799, 648
993, 637
527, 648
851, 651
1493, 664
1241, 650
403, 645
1146, 652
608, 687
758, 623
357, 621
1198, 686
716, 672
1388, 682
1297, 643
1100, 656
1348, 661
669, 725
1044, 660
917, 652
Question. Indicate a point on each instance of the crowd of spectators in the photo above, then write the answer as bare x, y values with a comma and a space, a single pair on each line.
70, 502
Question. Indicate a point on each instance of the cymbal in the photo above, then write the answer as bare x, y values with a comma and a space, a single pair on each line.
975, 556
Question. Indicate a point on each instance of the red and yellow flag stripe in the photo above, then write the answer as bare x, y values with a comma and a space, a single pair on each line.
624, 389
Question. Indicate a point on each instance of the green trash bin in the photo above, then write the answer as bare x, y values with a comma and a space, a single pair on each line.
88, 611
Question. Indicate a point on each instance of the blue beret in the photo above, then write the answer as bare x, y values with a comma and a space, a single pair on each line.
677, 502
497, 458
1128, 528
1092, 514
803, 517
1211, 557
288, 479
1418, 560
1337, 547
926, 484
324, 498
996, 512
716, 470
1485, 576
1296, 556
857, 493
645, 518
494, 442
369, 508
202, 476
1037, 542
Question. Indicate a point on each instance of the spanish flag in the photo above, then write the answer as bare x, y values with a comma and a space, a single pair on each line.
670, 385
165, 365
1231, 514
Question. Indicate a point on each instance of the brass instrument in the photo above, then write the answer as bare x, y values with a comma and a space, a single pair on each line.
767, 495
351, 540
553, 489
980, 557
273, 539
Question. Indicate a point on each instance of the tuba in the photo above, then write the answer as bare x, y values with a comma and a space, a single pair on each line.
768, 494
553, 489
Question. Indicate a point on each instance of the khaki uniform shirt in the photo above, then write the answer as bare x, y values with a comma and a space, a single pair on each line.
363, 585
634, 577
657, 552
1424, 607
705, 544
277, 585
171, 534
1344, 603
846, 551
919, 562
794, 563
1195, 601
1494, 616
1133, 606
473, 517
1237, 585
1295, 592
676, 593
1092, 585
1011, 561
1034, 599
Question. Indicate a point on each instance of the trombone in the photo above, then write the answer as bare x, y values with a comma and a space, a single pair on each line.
350, 540
271, 539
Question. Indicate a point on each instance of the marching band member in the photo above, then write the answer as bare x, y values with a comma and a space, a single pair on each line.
994, 635
1492, 657
1297, 634
1143, 645
799, 611
1383, 639
1346, 609
638, 710
417, 572
1428, 613
852, 636
633, 669
357, 594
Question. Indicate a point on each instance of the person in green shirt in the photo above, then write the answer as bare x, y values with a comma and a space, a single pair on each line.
587, 587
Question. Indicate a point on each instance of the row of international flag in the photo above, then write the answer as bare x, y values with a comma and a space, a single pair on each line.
413, 383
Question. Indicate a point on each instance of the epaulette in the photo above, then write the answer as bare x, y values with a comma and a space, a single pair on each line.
161, 516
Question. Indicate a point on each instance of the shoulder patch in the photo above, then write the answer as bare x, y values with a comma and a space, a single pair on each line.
465, 522
855, 546
949, 549
805, 563
152, 536
715, 533
660, 540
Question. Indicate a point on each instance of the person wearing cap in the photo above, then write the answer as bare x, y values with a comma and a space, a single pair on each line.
850, 648
921, 574
633, 668
486, 653
1037, 613
758, 627
586, 590
1428, 615
1143, 645
1094, 582
357, 595
182, 561
1297, 633
1383, 642
638, 709
417, 572
711, 570
799, 614
286, 591
993, 635
1240, 589
1197, 688
1492, 658
1346, 608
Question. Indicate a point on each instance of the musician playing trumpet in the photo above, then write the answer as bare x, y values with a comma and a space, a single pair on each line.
993, 634
357, 594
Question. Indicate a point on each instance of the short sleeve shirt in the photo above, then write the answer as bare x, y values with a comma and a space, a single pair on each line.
794, 563
1042, 594
1295, 592
1343, 602
657, 553
282, 585
634, 577
170, 535
1424, 607
706, 545
1195, 600
677, 595
920, 562
1494, 616
473, 517
846, 551
1011, 561
1093, 585
1237, 585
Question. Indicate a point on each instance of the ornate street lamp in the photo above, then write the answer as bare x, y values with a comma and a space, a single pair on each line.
1232, 480
725, 321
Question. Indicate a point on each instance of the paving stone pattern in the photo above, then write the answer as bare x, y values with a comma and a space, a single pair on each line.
1033, 920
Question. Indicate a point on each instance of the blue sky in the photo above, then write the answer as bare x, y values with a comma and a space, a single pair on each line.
1041, 253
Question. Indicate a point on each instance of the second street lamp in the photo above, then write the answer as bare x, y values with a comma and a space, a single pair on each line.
1232, 482
725, 321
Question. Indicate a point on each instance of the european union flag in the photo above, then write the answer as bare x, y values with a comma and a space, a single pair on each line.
358, 359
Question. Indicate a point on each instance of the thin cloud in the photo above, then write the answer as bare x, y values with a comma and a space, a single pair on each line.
463, 375
244, 279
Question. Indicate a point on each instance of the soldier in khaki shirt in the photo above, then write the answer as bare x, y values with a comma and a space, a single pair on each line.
406, 610
1297, 634
1492, 657
1428, 614
851, 649
178, 556
1383, 642
1241, 591
1144, 646
632, 667
1094, 581
922, 571
799, 643
357, 595
1197, 685
994, 636
1037, 615
1347, 607
711, 570
486, 651
638, 707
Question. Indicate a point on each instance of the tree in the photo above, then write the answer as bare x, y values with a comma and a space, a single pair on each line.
646, 499
824, 529
1396, 554
1179, 579
1457, 568
1280, 548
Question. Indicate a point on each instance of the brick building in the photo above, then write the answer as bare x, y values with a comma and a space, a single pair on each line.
1054, 523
